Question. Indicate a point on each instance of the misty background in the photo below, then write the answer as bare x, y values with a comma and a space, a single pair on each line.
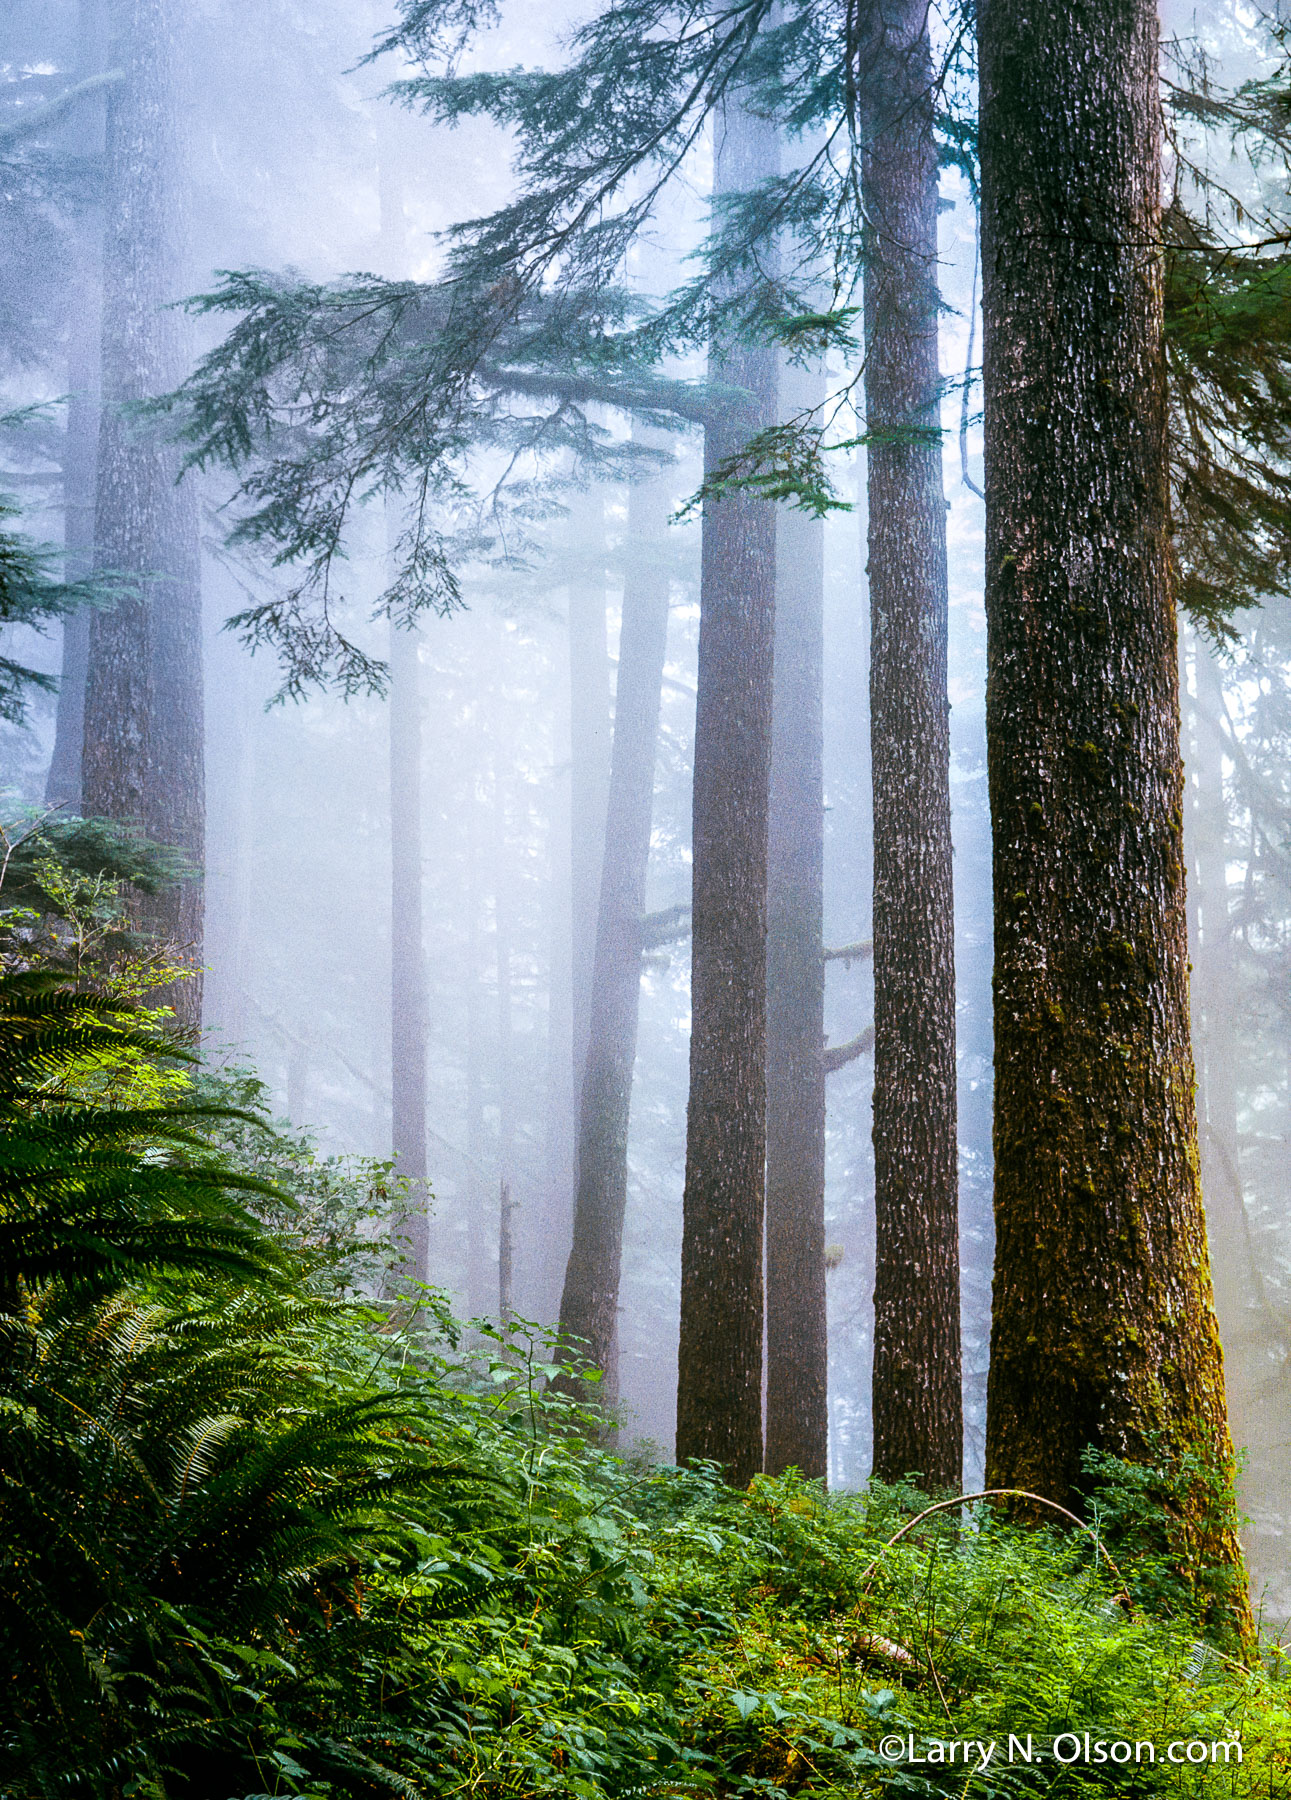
292, 159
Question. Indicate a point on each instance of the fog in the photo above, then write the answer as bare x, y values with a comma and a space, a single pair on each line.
290, 158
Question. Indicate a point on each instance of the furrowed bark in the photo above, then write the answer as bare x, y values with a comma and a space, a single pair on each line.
589, 1303
1103, 1326
719, 1386
142, 760
797, 1420
918, 1410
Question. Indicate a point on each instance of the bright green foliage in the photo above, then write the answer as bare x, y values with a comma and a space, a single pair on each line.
90, 1192
255, 1540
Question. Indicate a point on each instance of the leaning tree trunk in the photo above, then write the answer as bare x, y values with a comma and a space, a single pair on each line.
1103, 1328
589, 1303
719, 1386
918, 1410
143, 754
797, 1416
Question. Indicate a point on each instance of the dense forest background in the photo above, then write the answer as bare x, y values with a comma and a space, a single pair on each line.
490, 754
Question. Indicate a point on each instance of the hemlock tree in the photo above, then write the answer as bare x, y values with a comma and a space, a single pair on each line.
719, 1375
589, 1301
918, 1411
143, 752
1103, 1329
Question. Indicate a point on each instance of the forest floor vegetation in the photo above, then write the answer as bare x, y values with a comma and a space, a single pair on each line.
271, 1526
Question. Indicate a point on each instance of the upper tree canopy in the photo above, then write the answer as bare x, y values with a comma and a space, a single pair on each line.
457, 395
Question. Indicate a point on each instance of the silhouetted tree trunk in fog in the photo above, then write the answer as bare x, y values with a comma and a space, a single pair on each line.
408, 1000
476, 1283
1103, 1319
918, 1410
80, 456
505, 1057
409, 1006
142, 758
1214, 1003
589, 753
719, 1387
505, 1246
797, 1420
552, 1250
589, 1303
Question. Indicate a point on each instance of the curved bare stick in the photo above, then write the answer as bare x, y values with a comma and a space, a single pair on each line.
994, 1494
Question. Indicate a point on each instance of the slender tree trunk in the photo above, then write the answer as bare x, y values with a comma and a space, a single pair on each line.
505, 1255
476, 1202
504, 931
408, 1001
1103, 1324
719, 1387
589, 1303
797, 1416
918, 1409
589, 749
142, 758
561, 1125
80, 457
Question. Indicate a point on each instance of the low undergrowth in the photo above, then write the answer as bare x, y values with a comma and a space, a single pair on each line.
262, 1536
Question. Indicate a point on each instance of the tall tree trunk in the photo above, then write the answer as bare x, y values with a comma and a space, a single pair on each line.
409, 1003
143, 751
505, 1059
797, 1417
589, 1303
80, 458
719, 1386
918, 1408
475, 1284
408, 1000
1103, 1325
552, 1250
1250, 1335
589, 752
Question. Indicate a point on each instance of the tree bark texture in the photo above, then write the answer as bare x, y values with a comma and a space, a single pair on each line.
1103, 1322
797, 1417
589, 1303
408, 999
143, 752
80, 457
719, 1387
918, 1408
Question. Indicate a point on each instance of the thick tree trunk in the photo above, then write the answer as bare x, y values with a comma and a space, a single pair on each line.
589, 1303
719, 1388
797, 1417
918, 1409
142, 759
1103, 1325
408, 1001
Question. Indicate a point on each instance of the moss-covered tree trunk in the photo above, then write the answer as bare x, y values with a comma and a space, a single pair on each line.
918, 1410
797, 1417
719, 1383
589, 1301
1103, 1325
